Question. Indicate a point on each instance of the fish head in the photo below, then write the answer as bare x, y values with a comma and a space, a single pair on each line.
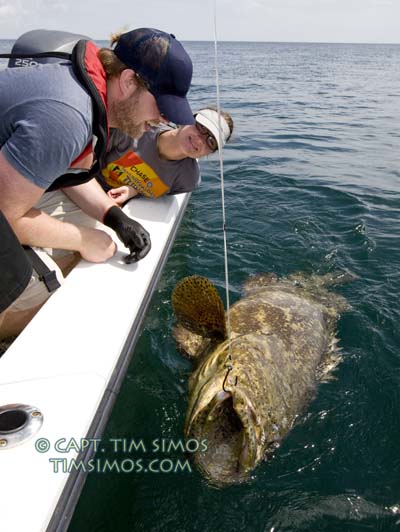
223, 414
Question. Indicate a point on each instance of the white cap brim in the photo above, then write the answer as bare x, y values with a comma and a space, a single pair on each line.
209, 119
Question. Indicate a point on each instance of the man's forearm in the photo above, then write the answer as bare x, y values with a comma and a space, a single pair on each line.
39, 229
91, 198
35, 228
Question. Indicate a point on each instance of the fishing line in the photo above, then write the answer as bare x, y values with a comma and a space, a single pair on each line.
221, 169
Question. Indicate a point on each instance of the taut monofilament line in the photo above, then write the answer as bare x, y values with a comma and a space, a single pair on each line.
221, 167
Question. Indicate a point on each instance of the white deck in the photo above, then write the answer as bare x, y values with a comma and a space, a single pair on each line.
63, 362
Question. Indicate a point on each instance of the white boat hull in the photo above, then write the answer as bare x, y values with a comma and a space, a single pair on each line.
69, 363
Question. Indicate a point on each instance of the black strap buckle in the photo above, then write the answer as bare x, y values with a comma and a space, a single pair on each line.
50, 280
47, 276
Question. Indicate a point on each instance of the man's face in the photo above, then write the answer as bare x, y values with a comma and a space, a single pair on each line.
137, 113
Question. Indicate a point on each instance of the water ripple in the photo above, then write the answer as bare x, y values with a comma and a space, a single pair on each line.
312, 184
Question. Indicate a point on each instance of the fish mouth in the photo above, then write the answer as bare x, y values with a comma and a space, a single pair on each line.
228, 424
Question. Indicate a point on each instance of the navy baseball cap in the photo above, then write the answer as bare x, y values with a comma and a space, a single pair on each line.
162, 62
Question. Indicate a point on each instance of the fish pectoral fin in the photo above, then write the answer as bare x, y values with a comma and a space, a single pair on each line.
189, 343
329, 362
199, 308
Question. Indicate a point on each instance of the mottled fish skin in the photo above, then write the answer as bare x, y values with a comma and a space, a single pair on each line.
280, 333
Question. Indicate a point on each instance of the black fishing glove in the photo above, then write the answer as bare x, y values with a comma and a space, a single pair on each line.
131, 233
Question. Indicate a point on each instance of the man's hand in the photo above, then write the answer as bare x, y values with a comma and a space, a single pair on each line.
132, 234
96, 245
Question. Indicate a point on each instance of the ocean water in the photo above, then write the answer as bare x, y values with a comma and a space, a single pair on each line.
312, 184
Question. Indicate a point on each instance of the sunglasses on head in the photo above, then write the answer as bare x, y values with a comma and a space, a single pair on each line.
210, 139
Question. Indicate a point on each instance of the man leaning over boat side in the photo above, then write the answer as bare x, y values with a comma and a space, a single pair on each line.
48, 119
164, 156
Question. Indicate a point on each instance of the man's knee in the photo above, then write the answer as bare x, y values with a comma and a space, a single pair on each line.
39, 289
46, 278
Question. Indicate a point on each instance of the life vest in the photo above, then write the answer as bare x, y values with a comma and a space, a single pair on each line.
90, 74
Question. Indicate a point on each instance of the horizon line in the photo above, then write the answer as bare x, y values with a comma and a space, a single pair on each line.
290, 42
254, 41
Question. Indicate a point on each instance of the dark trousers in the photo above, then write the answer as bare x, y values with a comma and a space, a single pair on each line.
15, 268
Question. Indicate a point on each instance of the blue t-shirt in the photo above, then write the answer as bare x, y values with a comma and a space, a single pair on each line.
45, 120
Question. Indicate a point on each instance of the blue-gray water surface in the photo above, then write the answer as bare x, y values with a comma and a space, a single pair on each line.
312, 184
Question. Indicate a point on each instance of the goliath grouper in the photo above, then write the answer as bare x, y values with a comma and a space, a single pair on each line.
247, 392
